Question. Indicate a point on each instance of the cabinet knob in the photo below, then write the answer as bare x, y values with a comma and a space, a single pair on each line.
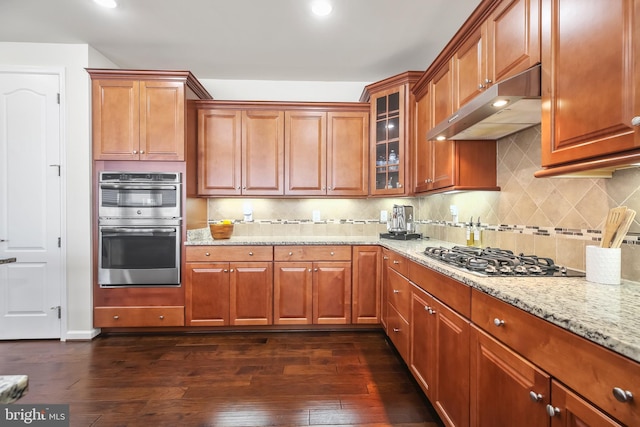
396, 291
290, 253
141, 151
315, 269
238, 187
427, 308
231, 270
395, 261
135, 151
161, 317
498, 322
635, 121
309, 270
250, 253
225, 270
488, 81
207, 254
535, 397
385, 258
332, 253
116, 317
432, 311
396, 329
622, 395
398, 185
481, 86
552, 411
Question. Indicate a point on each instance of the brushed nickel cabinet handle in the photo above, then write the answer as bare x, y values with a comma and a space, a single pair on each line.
207, 254
552, 411
635, 121
498, 322
622, 395
535, 397
116, 317
135, 151
161, 317
290, 253
250, 253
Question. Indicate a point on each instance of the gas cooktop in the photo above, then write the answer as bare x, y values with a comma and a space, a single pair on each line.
499, 262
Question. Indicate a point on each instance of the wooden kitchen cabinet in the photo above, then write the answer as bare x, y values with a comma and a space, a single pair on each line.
312, 285
141, 115
348, 153
383, 288
593, 371
571, 410
392, 105
240, 152
326, 152
506, 389
398, 305
229, 285
505, 44
589, 101
367, 271
138, 316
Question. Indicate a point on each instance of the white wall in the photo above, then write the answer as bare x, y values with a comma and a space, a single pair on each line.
76, 166
270, 90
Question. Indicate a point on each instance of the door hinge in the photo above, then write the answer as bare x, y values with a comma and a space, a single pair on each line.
59, 308
59, 242
58, 98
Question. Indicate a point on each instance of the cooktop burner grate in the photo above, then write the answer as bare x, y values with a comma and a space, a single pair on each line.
499, 262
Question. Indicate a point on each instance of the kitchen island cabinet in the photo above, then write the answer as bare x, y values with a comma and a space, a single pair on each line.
141, 115
590, 101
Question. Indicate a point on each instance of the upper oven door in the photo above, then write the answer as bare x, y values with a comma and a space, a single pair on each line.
139, 200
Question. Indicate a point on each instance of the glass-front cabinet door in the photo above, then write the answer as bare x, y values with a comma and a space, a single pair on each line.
388, 151
390, 102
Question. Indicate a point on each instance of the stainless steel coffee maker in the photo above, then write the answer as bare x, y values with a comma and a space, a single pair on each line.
401, 219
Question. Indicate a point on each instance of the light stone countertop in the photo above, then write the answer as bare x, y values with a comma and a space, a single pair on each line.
604, 314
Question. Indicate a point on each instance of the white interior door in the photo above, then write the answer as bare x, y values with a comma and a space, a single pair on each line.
30, 205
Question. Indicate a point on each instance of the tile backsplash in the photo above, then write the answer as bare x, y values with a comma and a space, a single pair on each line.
552, 217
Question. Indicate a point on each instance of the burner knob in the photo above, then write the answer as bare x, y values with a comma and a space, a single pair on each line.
498, 322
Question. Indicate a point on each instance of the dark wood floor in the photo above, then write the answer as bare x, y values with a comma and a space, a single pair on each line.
223, 379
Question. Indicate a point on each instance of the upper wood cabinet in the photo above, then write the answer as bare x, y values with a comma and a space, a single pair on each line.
326, 153
590, 85
139, 115
392, 105
240, 152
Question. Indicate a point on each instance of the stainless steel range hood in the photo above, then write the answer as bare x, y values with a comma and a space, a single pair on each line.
480, 119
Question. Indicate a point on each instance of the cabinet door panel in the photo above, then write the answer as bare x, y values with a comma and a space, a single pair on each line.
305, 153
332, 293
263, 152
588, 100
423, 160
471, 67
347, 153
501, 382
116, 119
514, 33
293, 293
365, 305
162, 127
251, 293
442, 93
422, 349
219, 152
207, 294
575, 411
444, 158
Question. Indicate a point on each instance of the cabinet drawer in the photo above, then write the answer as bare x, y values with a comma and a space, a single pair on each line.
312, 253
590, 369
398, 263
455, 294
398, 331
113, 317
229, 253
399, 293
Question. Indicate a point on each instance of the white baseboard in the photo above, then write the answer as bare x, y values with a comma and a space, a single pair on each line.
81, 335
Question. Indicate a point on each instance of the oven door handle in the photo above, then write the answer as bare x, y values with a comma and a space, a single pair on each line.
137, 187
139, 230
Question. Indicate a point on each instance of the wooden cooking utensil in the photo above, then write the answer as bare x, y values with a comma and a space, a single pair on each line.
624, 228
613, 221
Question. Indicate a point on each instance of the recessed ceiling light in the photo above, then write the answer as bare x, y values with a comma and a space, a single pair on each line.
321, 7
107, 3
500, 103
441, 138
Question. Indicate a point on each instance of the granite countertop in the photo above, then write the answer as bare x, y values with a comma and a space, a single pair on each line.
13, 387
604, 314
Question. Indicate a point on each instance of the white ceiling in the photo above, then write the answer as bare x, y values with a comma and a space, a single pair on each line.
361, 41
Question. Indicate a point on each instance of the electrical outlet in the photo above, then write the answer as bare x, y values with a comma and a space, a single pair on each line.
384, 216
316, 216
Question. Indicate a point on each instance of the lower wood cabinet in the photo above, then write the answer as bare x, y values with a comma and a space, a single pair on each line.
365, 289
309, 290
114, 317
567, 409
439, 356
229, 293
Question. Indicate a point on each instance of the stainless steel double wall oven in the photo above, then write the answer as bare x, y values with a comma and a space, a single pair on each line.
139, 229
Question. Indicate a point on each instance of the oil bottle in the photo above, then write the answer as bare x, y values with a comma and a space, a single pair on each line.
470, 239
477, 234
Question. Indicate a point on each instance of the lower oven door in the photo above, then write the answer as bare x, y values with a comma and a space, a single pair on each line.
141, 255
